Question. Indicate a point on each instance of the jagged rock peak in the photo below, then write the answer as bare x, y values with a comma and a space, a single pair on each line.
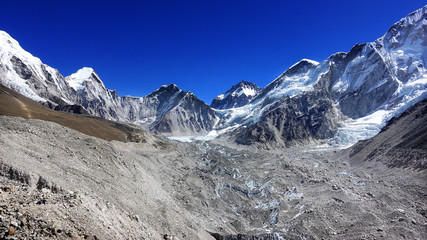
238, 95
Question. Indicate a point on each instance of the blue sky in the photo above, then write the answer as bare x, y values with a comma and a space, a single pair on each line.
202, 46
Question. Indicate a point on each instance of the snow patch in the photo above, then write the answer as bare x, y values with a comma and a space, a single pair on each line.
221, 97
248, 91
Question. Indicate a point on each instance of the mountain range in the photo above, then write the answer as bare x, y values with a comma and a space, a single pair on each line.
77, 160
345, 98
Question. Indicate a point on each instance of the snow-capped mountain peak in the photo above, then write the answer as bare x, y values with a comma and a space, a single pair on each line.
170, 87
166, 91
300, 67
10, 45
412, 18
300, 77
304, 62
237, 96
404, 46
9, 50
76, 79
83, 73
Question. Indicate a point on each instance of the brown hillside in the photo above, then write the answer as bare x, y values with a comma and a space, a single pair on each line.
14, 104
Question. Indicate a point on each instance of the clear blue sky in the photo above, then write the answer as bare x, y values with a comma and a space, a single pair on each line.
202, 46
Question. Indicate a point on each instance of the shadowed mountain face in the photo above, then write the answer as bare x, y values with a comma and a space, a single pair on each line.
299, 119
71, 109
191, 116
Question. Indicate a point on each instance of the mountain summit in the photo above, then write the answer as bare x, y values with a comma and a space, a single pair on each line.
238, 95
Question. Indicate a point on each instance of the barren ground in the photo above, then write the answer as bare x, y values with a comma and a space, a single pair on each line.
59, 179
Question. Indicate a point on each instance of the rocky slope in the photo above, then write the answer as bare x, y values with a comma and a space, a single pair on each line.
402, 143
114, 195
67, 184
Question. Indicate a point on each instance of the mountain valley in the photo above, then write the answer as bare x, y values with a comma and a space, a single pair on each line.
82, 187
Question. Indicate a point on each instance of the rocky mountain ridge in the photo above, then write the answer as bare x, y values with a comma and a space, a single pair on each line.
25, 73
362, 90
366, 87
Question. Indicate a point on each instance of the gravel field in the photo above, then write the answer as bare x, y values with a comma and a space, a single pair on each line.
60, 183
